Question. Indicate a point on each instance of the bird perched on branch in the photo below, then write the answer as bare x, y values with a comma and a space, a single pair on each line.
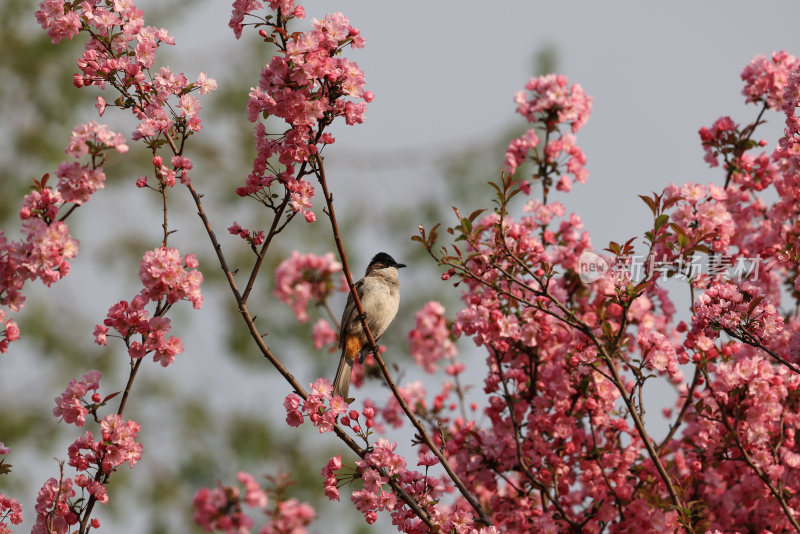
379, 293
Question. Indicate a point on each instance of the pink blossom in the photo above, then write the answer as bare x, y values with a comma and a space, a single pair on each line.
294, 416
302, 278
11, 509
70, 405
220, 509
53, 514
329, 474
430, 339
728, 307
254, 496
289, 89
205, 83
552, 100
97, 134
323, 334
162, 273
765, 79
291, 516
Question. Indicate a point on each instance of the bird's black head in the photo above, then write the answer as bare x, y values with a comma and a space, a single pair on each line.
382, 260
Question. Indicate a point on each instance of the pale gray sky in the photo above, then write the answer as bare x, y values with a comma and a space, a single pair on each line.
444, 73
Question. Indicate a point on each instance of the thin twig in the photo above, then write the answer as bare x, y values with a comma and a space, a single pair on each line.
318, 162
265, 350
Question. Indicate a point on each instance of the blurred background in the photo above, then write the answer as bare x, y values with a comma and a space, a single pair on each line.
444, 75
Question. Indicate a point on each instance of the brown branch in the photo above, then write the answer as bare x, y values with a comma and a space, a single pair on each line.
684, 410
318, 163
749, 461
619, 384
749, 339
526, 470
134, 369
569, 318
265, 350
273, 230
164, 209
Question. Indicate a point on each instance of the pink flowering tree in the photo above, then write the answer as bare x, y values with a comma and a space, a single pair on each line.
559, 441
569, 358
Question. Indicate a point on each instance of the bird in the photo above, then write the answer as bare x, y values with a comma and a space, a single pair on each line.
379, 293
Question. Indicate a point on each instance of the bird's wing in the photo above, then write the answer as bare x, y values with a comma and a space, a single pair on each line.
350, 310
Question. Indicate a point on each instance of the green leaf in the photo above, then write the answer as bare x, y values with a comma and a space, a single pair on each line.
661, 220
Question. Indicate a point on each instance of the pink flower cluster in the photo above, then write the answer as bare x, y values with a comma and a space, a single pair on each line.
658, 352
167, 176
121, 52
323, 334
290, 516
787, 155
726, 139
10, 331
254, 238
307, 85
56, 508
54, 512
9, 509
46, 248
373, 498
242, 8
71, 405
43, 253
375, 470
222, 509
165, 274
303, 278
721, 138
133, 318
323, 417
166, 281
766, 79
430, 339
329, 474
116, 446
551, 102
740, 311
746, 410
702, 214
379, 465
78, 182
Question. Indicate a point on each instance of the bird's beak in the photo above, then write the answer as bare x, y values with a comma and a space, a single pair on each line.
399, 265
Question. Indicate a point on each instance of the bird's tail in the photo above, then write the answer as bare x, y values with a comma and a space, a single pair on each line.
341, 383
